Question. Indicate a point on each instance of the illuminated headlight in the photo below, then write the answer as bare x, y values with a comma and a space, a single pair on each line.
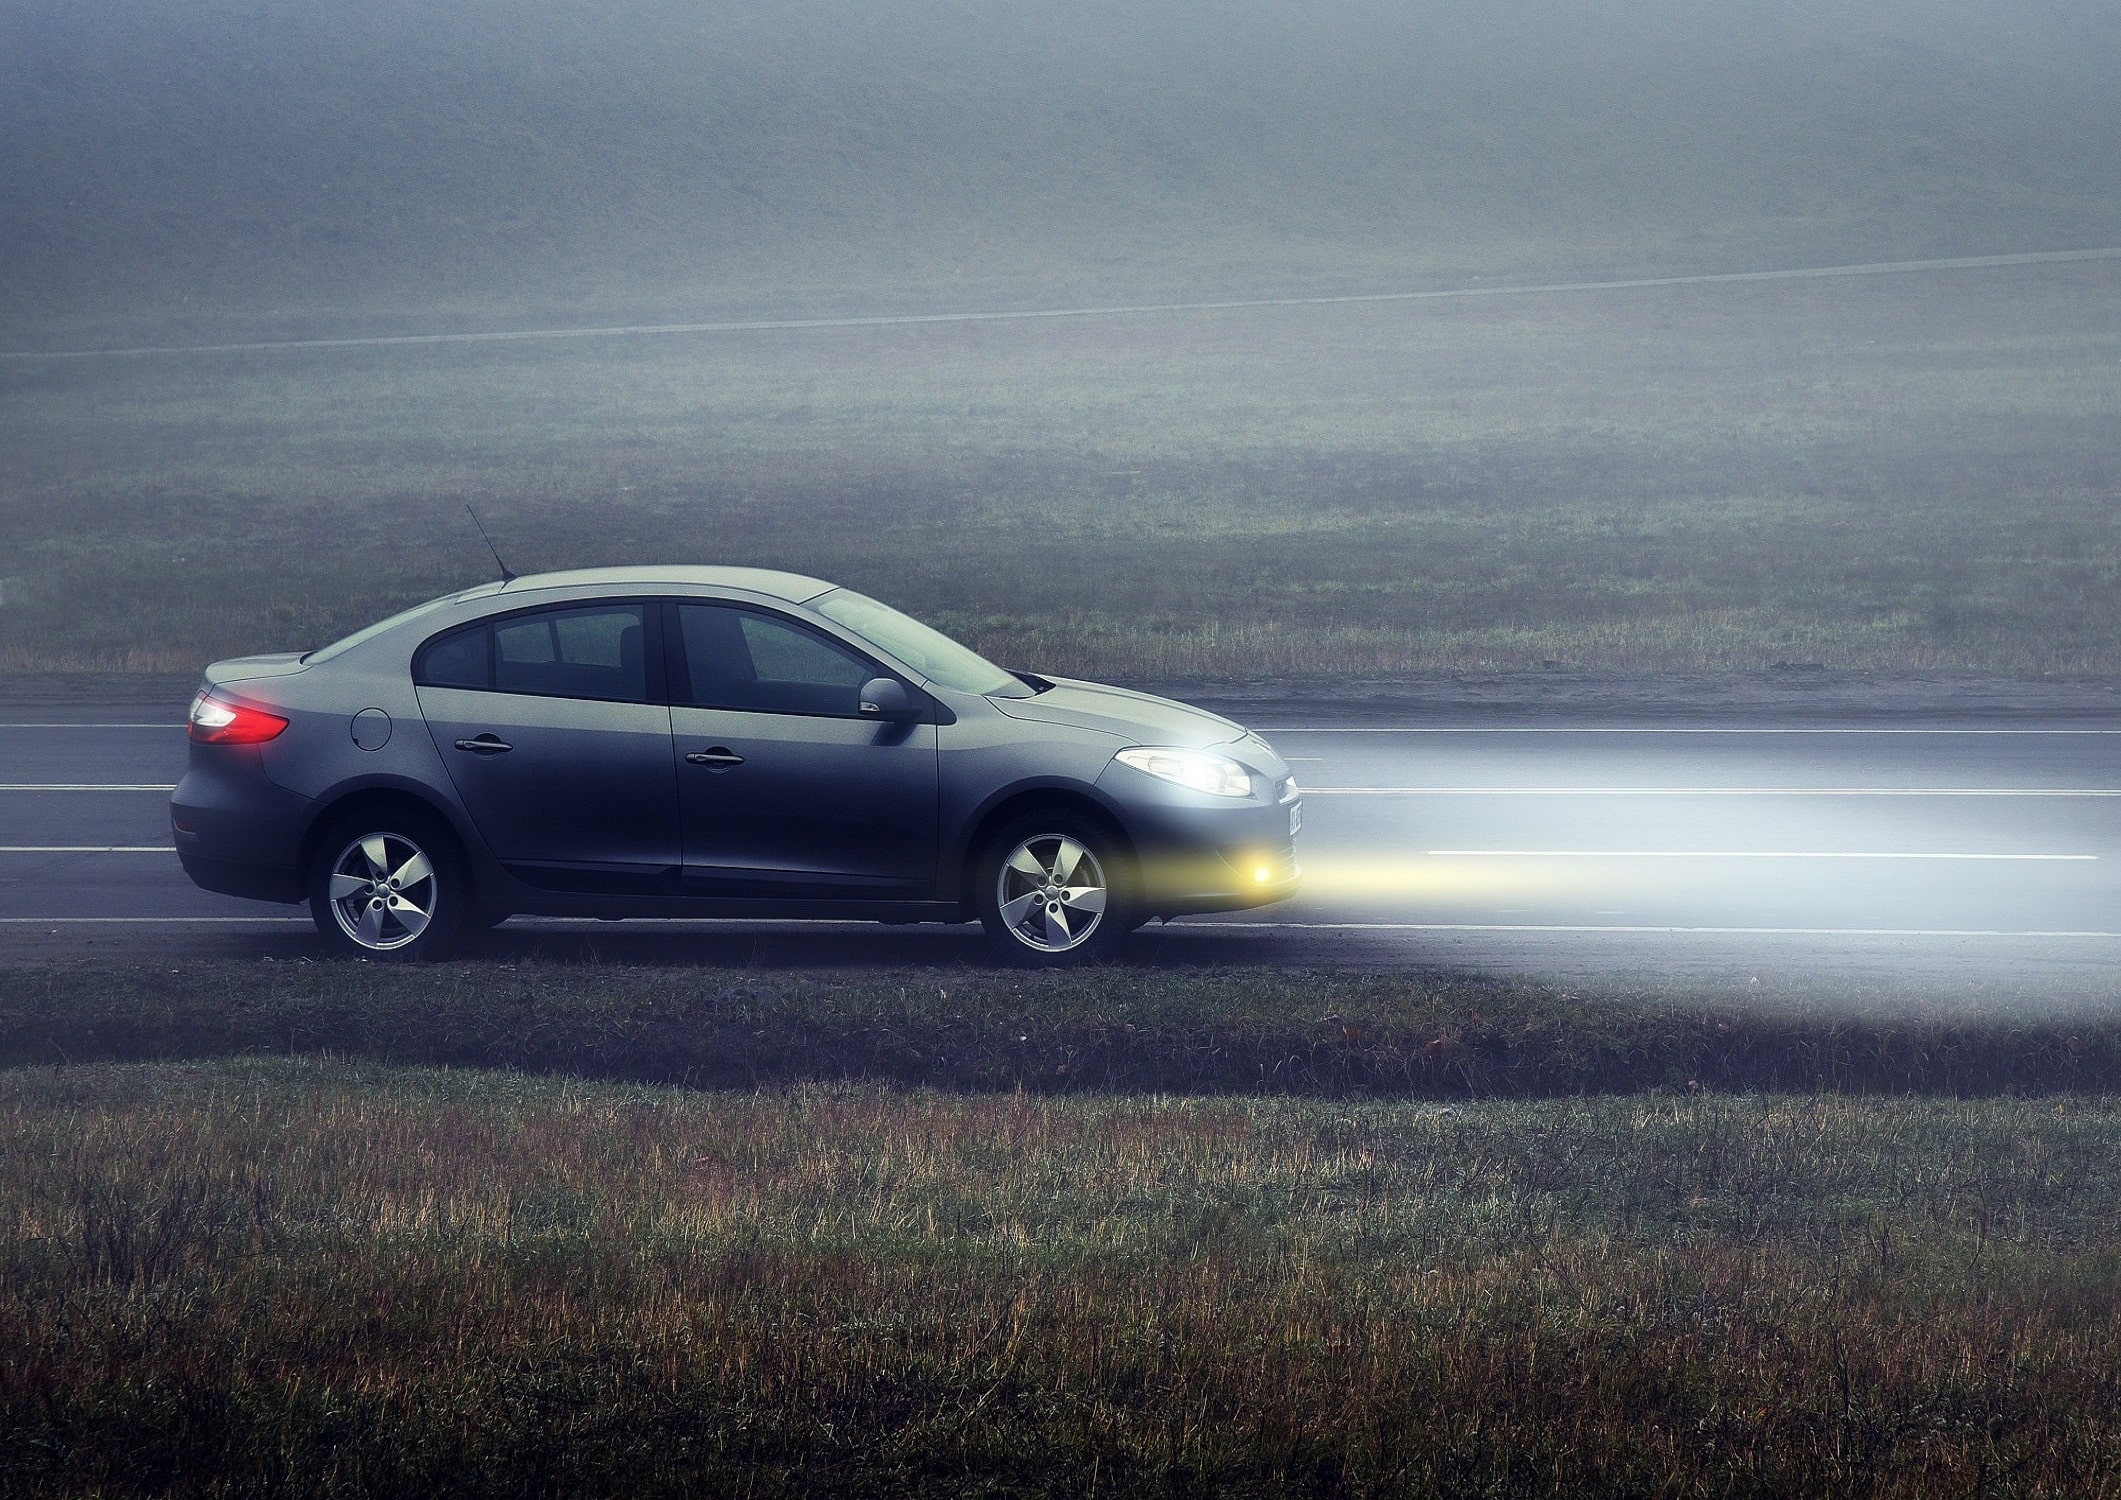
1196, 770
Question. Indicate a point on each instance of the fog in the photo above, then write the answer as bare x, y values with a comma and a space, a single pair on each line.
240, 167
1689, 1061
1909, 471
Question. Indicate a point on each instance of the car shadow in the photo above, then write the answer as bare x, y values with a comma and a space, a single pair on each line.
847, 947
778, 946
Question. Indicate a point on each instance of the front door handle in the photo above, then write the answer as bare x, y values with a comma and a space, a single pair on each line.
485, 744
721, 756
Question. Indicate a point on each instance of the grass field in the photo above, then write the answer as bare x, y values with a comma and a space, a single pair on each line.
489, 1228
280, 1276
1892, 472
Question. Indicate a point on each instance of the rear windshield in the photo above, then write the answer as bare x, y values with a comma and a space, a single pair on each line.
368, 633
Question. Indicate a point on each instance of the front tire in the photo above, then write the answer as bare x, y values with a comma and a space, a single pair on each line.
1055, 888
390, 885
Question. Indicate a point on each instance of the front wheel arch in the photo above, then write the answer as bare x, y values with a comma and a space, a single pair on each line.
1010, 808
1054, 847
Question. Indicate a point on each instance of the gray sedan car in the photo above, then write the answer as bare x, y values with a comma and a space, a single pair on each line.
713, 742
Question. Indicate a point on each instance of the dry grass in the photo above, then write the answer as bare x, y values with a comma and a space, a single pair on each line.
275, 1276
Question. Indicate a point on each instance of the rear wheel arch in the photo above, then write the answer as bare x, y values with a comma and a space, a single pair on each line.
439, 902
373, 801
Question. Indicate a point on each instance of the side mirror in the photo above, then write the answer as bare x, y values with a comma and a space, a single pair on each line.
887, 698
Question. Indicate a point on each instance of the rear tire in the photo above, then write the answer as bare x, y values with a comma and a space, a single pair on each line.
389, 885
1055, 888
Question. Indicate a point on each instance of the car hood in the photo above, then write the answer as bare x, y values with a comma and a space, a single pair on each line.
251, 668
1138, 718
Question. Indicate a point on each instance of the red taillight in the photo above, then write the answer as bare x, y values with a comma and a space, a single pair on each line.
216, 723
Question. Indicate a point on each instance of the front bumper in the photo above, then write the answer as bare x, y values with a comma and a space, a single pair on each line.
1198, 859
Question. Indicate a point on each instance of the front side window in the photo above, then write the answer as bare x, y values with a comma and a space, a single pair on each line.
586, 651
742, 659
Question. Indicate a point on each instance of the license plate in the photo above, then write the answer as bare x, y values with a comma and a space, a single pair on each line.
1296, 820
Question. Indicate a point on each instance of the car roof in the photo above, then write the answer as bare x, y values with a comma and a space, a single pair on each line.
770, 583
796, 588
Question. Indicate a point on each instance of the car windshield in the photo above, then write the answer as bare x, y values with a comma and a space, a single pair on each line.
370, 632
921, 647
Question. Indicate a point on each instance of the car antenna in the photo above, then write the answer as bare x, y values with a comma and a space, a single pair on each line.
507, 577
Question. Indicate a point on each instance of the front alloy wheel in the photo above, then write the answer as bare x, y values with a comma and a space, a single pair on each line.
1051, 895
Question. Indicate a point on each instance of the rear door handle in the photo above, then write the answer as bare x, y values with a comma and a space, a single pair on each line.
485, 744
720, 755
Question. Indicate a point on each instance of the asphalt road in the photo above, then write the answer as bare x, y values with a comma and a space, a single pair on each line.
1864, 851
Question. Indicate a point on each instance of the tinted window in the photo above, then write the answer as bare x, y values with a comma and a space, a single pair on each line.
458, 661
593, 651
738, 658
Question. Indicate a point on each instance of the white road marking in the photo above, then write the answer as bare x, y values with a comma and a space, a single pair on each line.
791, 926
146, 921
87, 786
707, 926
1706, 791
1728, 854
1892, 932
1197, 925
1644, 729
1416, 791
1029, 315
87, 849
177, 726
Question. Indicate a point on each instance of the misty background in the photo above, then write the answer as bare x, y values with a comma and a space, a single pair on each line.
221, 162
1899, 472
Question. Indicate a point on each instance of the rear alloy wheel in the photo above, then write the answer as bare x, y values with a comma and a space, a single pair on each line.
387, 887
1052, 890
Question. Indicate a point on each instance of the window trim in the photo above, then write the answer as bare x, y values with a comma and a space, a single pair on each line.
656, 685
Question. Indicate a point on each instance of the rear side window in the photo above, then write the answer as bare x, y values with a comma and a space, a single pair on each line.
459, 661
592, 651
742, 659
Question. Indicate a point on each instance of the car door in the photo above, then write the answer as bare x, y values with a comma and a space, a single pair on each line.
784, 789
551, 724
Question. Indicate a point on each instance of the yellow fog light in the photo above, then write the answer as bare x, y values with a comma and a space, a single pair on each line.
1261, 874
